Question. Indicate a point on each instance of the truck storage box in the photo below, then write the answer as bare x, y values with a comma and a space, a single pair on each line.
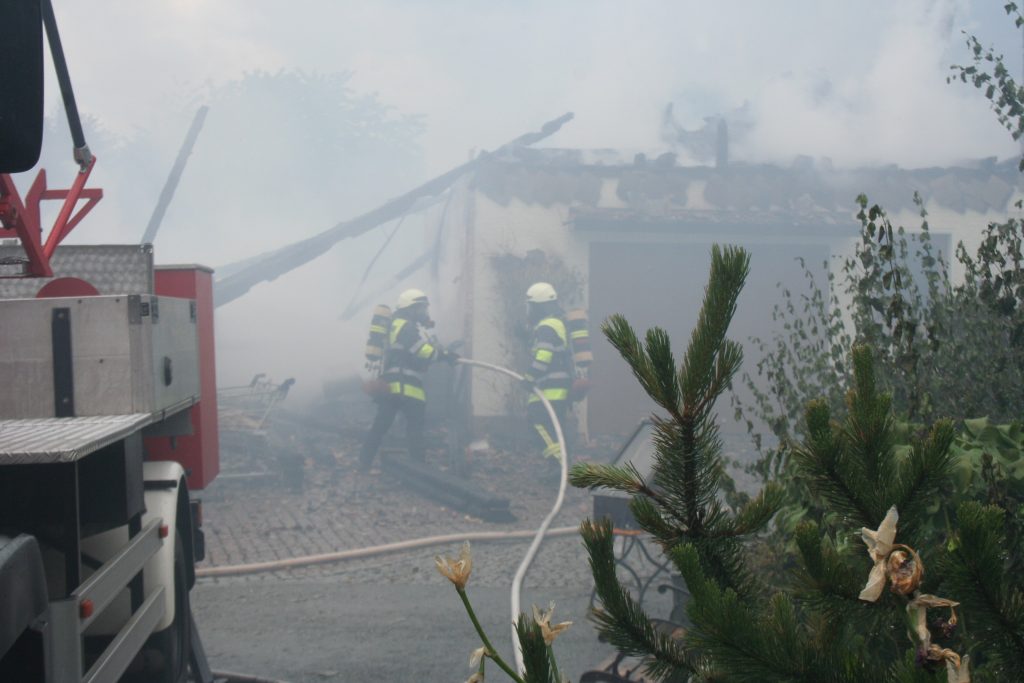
97, 355
197, 452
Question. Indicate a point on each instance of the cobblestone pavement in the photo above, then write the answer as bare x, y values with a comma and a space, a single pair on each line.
293, 490
320, 503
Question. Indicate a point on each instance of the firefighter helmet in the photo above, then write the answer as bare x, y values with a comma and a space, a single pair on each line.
411, 297
541, 292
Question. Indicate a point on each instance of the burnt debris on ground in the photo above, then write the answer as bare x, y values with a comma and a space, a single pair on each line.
290, 486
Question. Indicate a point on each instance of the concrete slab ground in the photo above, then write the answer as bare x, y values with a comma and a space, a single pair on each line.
315, 631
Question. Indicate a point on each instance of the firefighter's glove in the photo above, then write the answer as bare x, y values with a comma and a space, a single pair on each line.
528, 384
449, 357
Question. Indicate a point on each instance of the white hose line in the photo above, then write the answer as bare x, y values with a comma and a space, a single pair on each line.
517, 580
356, 553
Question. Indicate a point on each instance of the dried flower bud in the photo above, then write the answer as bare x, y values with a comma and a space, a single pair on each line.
543, 619
905, 569
880, 544
456, 570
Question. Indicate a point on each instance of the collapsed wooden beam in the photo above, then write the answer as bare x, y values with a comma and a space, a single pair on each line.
167, 193
272, 265
444, 488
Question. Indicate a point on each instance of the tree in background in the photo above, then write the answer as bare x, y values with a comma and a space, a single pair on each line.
944, 349
286, 155
281, 156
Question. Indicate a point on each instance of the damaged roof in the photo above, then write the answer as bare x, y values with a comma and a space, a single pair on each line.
805, 193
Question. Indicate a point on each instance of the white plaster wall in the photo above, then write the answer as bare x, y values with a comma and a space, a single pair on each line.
961, 226
967, 227
446, 286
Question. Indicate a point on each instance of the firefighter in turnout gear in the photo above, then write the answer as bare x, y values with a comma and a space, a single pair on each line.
551, 365
409, 353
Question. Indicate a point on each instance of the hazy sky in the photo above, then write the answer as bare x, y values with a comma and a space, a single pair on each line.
860, 82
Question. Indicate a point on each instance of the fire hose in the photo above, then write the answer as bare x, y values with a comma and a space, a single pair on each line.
517, 580
372, 551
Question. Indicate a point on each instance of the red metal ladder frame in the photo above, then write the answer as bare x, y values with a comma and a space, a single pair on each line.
21, 218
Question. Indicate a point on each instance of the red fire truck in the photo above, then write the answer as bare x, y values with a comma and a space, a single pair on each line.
108, 417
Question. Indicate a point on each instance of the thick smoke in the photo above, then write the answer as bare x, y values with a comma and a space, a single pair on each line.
860, 85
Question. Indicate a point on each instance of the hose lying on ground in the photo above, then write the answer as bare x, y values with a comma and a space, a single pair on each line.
517, 580
356, 553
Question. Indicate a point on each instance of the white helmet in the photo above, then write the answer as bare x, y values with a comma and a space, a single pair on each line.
541, 292
411, 297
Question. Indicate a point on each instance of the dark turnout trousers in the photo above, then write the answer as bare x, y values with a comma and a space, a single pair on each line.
388, 408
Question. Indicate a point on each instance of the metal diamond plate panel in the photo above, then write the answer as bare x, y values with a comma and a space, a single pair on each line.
111, 269
63, 439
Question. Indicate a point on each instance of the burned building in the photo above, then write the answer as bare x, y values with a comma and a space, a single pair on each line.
633, 236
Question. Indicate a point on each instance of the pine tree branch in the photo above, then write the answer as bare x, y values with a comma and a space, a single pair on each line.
820, 459
650, 518
688, 428
680, 501
621, 620
974, 571
922, 475
823, 566
678, 477
721, 559
756, 514
869, 436
625, 478
662, 363
729, 269
624, 339
908, 670
830, 586
728, 362
732, 633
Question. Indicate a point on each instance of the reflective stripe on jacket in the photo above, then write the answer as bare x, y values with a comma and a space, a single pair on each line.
408, 356
551, 362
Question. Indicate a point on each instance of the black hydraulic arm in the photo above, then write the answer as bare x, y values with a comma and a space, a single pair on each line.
82, 154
